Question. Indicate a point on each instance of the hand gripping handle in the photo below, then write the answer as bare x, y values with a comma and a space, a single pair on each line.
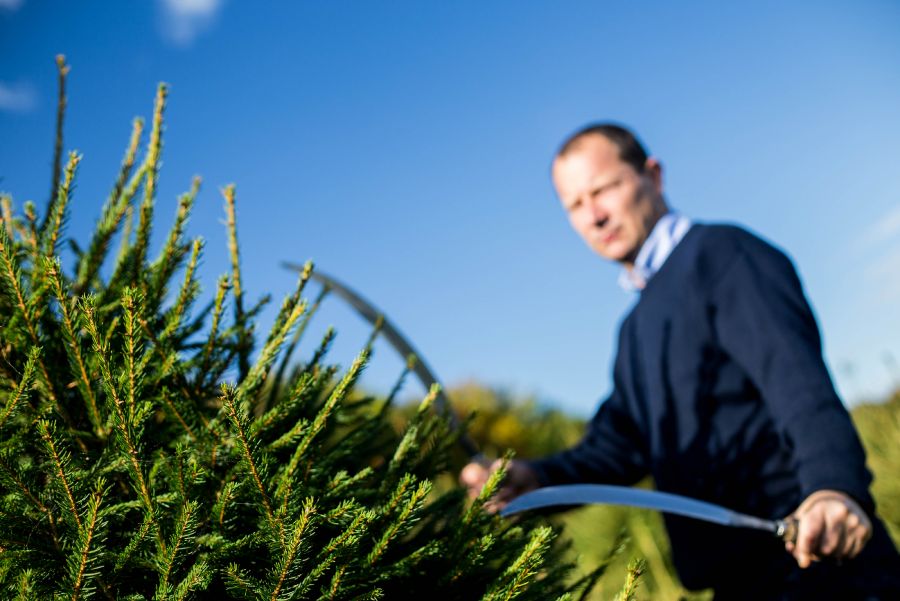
786, 529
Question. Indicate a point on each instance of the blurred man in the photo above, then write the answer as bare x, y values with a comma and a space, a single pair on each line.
719, 393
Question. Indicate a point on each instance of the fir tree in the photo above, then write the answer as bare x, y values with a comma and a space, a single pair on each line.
146, 450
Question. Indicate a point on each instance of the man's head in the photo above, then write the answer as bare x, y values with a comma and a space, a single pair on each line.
611, 190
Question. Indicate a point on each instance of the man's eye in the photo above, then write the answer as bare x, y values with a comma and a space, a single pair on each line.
605, 187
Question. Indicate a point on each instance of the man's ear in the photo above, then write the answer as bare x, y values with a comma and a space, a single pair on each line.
654, 170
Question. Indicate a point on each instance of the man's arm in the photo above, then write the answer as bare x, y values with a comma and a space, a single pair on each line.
609, 452
765, 323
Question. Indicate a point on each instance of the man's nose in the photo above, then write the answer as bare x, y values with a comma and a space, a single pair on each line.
598, 211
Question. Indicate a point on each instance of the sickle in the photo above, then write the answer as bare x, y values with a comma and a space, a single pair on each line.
604, 494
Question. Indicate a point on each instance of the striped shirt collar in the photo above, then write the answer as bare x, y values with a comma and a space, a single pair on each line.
666, 235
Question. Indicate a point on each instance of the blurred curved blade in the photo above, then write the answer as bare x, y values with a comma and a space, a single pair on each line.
583, 494
371, 314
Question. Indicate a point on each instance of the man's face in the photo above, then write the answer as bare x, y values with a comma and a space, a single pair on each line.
611, 206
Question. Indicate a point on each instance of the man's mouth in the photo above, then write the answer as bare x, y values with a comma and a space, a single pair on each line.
609, 236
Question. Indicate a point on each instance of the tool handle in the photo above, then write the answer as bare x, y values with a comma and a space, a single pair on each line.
786, 529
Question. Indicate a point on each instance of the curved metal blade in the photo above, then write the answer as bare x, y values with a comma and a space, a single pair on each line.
371, 314
582, 494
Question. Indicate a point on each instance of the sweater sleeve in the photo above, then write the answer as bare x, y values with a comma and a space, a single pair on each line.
764, 322
609, 452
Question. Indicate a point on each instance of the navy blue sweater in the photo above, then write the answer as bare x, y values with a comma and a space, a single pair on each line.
721, 393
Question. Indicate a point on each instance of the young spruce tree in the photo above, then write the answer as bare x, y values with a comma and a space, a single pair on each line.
147, 452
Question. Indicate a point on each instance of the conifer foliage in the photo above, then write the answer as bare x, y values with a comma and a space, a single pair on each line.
150, 448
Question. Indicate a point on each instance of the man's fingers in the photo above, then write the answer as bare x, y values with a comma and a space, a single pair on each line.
473, 477
831, 543
859, 530
809, 532
853, 522
474, 474
853, 538
497, 464
852, 545
519, 478
504, 493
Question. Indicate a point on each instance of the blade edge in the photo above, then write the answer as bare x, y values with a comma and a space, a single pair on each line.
581, 494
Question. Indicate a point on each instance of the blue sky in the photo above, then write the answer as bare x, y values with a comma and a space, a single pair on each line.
405, 147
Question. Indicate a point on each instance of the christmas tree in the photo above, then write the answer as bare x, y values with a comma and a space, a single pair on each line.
151, 447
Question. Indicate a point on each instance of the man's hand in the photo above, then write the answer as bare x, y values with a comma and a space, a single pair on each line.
520, 478
831, 524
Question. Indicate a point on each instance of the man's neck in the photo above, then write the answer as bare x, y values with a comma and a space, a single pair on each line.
666, 233
629, 262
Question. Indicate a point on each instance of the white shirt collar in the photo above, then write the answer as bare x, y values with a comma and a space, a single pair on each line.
663, 239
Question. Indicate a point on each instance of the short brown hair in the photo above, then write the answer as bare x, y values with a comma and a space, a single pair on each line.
631, 150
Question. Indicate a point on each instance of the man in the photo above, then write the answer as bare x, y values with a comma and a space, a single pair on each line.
720, 393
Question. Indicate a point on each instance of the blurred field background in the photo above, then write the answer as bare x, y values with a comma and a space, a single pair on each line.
503, 421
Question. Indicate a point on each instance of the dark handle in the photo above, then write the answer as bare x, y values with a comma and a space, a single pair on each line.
786, 529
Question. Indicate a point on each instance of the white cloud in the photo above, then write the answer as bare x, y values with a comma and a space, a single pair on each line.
11, 4
18, 97
884, 273
886, 228
184, 20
